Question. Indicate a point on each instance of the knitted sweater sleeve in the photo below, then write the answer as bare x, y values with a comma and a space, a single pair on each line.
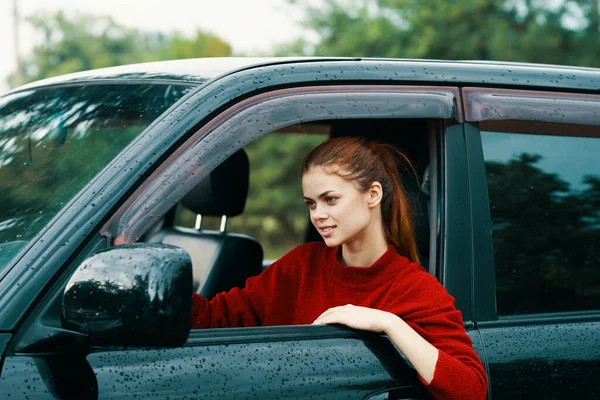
459, 373
243, 307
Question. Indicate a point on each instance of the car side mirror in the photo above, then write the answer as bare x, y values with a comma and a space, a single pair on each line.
131, 295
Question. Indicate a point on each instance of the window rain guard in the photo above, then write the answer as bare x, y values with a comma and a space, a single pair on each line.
257, 116
520, 105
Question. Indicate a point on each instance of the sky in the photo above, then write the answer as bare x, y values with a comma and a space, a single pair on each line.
251, 27
556, 151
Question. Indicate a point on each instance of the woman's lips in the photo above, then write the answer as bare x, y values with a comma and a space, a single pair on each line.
327, 231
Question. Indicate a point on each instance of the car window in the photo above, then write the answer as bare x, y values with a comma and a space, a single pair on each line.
275, 213
544, 193
53, 141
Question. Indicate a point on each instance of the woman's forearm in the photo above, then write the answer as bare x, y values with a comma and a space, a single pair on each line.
421, 354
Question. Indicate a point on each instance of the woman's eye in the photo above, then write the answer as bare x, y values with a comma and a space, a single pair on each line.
330, 199
310, 204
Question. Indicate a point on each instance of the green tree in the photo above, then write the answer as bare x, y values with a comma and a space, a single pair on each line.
507, 30
82, 42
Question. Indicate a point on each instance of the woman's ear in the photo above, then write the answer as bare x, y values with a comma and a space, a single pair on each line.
375, 193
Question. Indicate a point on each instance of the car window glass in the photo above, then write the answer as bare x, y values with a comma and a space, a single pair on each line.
544, 193
275, 213
54, 141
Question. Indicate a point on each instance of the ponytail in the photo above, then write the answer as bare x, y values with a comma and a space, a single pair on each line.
398, 215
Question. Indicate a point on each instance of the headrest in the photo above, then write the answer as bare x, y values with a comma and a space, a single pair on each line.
223, 191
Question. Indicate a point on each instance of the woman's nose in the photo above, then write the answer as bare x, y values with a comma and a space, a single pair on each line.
318, 214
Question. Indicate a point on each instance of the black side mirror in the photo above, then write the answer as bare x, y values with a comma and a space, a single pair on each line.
132, 295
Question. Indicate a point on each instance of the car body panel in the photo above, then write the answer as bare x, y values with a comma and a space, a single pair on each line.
4, 340
543, 360
247, 363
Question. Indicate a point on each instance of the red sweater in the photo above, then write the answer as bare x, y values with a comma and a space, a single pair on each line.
308, 280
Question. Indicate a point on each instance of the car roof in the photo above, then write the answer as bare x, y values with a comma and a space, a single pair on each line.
193, 70
200, 70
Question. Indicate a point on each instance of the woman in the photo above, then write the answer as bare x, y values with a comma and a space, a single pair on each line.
365, 275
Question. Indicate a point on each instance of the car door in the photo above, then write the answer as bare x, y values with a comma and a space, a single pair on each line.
534, 175
262, 362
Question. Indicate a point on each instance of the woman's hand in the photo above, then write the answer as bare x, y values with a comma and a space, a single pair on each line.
356, 317
422, 355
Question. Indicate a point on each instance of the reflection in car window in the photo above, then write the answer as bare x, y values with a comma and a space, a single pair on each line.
54, 141
544, 196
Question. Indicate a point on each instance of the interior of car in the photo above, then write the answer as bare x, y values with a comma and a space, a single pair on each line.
204, 221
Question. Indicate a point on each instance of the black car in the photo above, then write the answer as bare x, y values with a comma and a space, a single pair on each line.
120, 189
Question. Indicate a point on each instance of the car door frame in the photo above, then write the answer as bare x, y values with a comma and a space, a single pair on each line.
503, 336
141, 204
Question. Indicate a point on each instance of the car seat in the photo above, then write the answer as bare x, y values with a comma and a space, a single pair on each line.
220, 260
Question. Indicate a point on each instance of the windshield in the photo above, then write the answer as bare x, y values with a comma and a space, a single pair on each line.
54, 141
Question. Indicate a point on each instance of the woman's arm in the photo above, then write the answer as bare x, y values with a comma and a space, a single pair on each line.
421, 354
232, 309
452, 374
251, 305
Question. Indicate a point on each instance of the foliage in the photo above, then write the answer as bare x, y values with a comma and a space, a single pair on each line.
507, 30
82, 42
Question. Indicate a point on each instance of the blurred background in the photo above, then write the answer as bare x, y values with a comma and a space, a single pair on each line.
44, 38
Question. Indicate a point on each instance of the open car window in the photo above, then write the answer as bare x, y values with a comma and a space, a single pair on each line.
249, 211
209, 173
257, 116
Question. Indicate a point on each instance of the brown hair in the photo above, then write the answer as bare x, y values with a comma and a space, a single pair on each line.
365, 162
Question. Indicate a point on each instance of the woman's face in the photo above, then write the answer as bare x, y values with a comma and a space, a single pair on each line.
339, 211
